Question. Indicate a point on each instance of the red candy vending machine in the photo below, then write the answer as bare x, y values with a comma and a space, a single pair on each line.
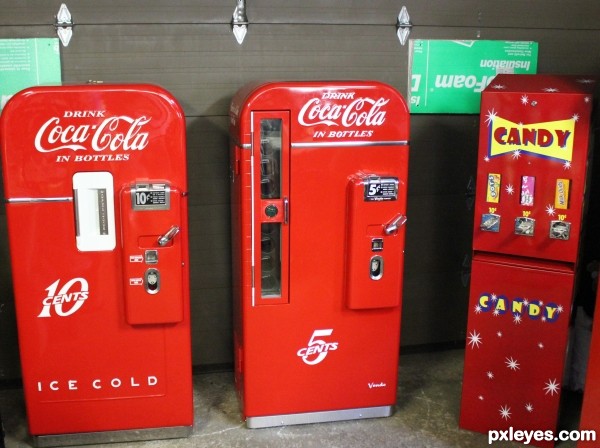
531, 180
96, 190
319, 176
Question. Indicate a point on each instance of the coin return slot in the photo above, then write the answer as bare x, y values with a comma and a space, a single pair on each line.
376, 267
151, 257
152, 281
377, 244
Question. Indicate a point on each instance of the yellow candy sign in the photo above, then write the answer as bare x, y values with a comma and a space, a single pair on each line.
552, 139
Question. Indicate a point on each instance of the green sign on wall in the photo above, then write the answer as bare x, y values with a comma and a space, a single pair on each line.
27, 62
447, 76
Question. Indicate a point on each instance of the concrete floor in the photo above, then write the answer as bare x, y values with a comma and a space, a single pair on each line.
426, 416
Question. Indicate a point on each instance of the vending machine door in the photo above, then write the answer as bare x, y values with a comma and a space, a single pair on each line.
532, 162
516, 342
271, 211
374, 248
152, 253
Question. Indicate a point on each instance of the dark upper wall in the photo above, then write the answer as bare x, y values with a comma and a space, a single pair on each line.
188, 48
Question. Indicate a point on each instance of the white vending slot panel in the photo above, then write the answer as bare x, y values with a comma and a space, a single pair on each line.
94, 211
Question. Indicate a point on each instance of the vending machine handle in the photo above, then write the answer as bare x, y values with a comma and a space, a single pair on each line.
164, 239
395, 224
286, 210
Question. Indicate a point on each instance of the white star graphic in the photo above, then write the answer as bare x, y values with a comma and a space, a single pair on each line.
575, 117
494, 298
499, 87
490, 117
512, 364
477, 309
480, 397
586, 81
587, 99
551, 89
490, 375
567, 165
540, 345
516, 154
525, 302
510, 189
517, 319
560, 309
499, 334
505, 412
496, 312
552, 387
474, 339
550, 210
529, 407
524, 99
486, 159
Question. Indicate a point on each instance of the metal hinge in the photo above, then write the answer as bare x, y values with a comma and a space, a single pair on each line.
470, 193
465, 270
239, 21
63, 22
403, 26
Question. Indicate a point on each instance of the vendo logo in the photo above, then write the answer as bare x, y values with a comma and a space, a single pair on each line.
317, 349
68, 300
113, 133
359, 112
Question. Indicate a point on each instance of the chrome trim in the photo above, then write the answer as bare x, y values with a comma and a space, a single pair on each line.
338, 144
236, 142
318, 417
286, 210
38, 200
89, 438
252, 230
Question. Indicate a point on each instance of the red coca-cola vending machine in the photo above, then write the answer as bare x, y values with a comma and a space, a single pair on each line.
96, 191
531, 178
319, 177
